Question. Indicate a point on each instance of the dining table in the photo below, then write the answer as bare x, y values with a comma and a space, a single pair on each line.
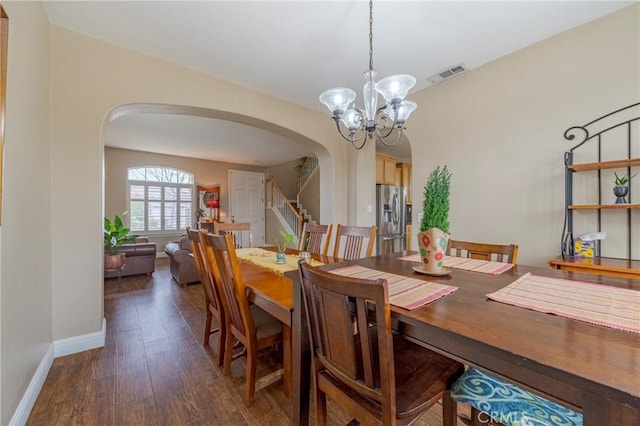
591, 368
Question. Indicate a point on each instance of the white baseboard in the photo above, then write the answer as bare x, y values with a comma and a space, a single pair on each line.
75, 344
58, 348
21, 414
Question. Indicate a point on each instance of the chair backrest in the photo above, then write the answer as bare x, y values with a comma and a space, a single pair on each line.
198, 250
349, 241
311, 239
241, 233
222, 259
363, 360
492, 252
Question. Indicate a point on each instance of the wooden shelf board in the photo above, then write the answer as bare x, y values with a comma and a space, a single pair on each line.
603, 206
605, 165
600, 265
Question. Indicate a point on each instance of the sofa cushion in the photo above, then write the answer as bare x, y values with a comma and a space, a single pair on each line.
139, 249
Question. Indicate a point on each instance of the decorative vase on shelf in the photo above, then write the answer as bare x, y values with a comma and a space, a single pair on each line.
280, 259
433, 245
621, 192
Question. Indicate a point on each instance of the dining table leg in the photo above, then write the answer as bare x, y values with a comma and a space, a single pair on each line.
286, 338
301, 363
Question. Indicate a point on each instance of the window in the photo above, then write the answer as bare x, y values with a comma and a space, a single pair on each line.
160, 199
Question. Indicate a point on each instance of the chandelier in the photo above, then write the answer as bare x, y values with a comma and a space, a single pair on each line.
376, 122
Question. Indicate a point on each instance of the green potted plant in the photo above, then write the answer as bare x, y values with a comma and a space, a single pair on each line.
433, 237
282, 245
622, 188
115, 235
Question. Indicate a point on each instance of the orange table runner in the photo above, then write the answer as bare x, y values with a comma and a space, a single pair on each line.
475, 265
404, 292
594, 303
267, 259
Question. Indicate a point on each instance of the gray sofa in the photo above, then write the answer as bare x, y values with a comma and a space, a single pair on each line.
181, 262
140, 259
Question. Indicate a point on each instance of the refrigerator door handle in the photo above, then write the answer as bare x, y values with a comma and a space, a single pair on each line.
394, 211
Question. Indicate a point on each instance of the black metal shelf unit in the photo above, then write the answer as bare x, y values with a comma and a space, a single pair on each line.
619, 121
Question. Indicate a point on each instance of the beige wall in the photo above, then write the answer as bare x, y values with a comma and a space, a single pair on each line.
90, 79
25, 277
205, 172
285, 177
499, 128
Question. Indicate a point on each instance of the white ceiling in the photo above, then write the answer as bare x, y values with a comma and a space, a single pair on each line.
297, 49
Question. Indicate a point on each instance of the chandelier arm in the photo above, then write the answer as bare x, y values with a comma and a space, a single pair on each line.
379, 114
359, 147
380, 118
348, 139
381, 139
385, 135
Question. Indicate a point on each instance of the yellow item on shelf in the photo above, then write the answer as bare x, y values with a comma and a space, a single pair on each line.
584, 248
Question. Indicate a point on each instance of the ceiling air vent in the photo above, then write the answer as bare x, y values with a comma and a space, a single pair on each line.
447, 73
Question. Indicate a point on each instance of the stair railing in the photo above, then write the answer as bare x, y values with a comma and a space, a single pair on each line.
306, 171
286, 210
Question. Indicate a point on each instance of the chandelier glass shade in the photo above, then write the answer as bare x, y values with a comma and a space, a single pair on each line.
355, 124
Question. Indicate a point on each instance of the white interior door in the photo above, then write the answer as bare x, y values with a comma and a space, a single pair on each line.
246, 202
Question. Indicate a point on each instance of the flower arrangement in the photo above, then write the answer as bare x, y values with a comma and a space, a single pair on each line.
284, 242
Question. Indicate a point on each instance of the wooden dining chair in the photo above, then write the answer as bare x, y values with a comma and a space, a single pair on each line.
492, 252
241, 232
211, 293
377, 376
251, 326
350, 239
312, 236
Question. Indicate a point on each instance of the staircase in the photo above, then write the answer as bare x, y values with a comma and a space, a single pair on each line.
292, 214
305, 172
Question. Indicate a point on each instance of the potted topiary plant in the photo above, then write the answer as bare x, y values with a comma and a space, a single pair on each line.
282, 246
622, 188
115, 235
433, 237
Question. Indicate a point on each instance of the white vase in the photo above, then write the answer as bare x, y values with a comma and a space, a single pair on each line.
433, 245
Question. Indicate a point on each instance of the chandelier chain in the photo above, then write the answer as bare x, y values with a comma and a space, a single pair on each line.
370, 35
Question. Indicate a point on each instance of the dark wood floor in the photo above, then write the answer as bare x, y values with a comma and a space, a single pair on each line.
154, 370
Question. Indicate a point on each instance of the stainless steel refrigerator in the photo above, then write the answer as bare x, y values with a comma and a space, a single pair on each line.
390, 218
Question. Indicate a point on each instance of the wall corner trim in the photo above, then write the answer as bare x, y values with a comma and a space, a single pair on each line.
21, 414
72, 345
58, 348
